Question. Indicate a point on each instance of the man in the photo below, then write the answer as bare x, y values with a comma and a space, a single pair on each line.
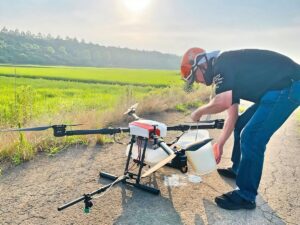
269, 80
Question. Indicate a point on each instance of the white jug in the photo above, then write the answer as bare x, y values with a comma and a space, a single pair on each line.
202, 160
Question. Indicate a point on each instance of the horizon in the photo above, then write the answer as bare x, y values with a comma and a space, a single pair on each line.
44, 35
169, 27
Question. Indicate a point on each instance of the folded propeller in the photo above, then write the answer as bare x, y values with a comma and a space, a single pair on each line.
41, 128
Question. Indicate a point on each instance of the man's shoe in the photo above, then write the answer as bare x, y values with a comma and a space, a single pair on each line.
233, 201
228, 172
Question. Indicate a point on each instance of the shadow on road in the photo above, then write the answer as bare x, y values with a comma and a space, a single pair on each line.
146, 208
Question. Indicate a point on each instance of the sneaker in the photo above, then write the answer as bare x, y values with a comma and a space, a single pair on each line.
233, 201
228, 172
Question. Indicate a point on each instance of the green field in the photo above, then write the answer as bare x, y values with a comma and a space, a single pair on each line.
51, 90
38, 96
142, 77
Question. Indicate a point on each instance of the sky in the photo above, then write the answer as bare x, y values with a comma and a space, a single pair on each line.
169, 26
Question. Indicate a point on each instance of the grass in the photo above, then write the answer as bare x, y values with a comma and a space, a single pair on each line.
185, 107
158, 78
31, 98
26, 102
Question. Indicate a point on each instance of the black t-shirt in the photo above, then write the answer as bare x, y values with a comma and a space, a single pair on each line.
250, 73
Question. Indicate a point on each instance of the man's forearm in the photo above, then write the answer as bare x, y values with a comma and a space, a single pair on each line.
210, 108
229, 124
227, 130
218, 104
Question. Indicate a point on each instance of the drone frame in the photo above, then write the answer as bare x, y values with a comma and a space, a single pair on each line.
175, 155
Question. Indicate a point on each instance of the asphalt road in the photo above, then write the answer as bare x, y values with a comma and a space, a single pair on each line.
30, 193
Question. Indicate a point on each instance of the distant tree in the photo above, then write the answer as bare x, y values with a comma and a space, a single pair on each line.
2, 44
62, 50
49, 37
39, 35
17, 32
11, 32
27, 48
50, 50
4, 30
28, 34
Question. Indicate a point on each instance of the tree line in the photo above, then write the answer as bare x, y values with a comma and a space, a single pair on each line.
19, 47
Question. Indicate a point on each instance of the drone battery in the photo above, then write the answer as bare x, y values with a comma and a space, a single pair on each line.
146, 128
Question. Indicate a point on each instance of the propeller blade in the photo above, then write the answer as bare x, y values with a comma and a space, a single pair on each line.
38, 128
131, 108
28, 129
195, 146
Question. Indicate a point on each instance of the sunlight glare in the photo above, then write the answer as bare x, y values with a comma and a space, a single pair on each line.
136, 5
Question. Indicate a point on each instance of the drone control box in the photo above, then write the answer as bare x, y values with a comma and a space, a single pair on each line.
146, 128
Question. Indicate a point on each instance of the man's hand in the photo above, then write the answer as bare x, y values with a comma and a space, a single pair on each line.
195, 116
218, 151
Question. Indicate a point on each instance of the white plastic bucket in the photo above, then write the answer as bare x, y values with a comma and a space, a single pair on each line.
202, 160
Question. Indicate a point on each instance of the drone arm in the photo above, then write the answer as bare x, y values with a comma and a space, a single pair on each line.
60, 131
213, 124
165, 147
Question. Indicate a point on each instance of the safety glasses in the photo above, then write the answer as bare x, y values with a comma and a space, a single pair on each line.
196, 64
192, 74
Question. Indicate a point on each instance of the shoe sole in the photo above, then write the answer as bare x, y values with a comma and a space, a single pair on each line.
219, 202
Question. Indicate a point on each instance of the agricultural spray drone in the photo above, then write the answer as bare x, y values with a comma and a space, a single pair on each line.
146, 148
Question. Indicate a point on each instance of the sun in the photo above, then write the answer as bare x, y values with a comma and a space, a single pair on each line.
136, 5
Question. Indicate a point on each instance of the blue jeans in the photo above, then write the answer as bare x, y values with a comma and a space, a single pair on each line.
253, 131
